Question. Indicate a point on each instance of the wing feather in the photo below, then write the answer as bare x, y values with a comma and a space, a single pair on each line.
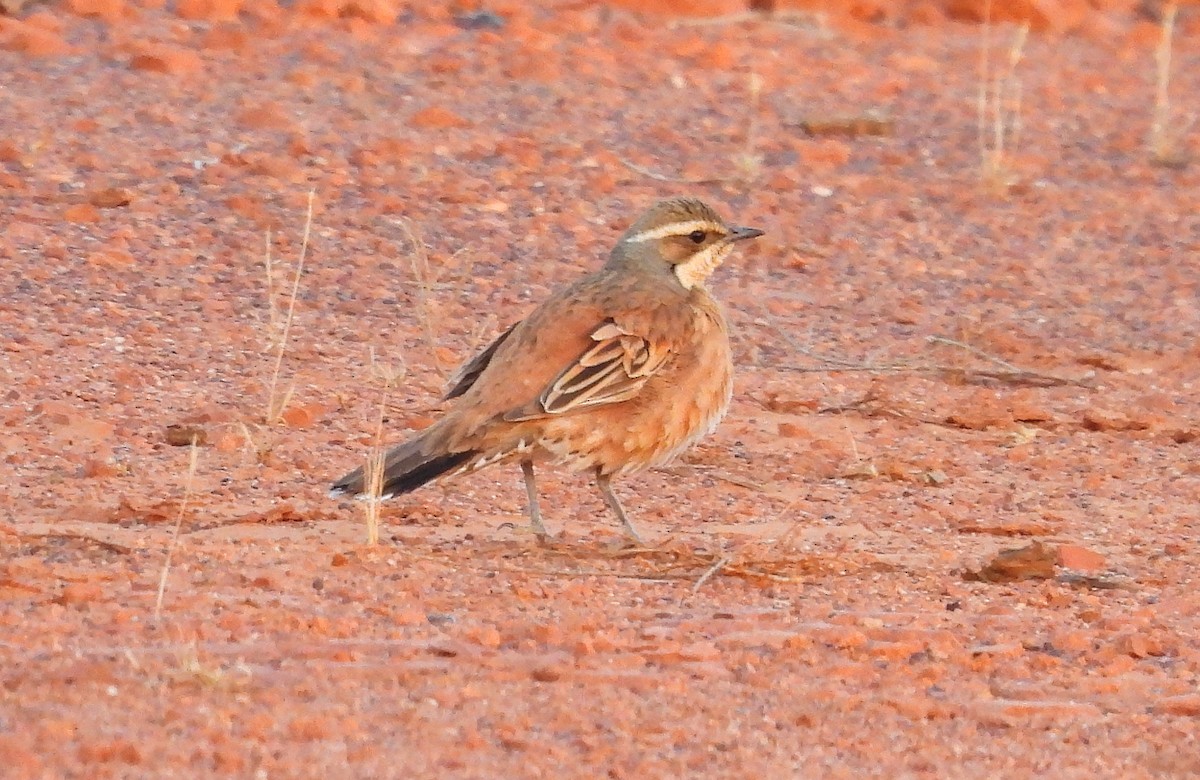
613, 370
468, 372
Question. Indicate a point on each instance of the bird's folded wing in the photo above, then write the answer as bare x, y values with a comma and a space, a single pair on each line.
613, 370
468, 372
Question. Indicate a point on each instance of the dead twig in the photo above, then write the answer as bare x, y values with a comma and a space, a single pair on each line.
664, 177
1008, 372
710, 572
804, 19
275, 406
733, 479
194, 456
424, 276
1005, 372
110, 546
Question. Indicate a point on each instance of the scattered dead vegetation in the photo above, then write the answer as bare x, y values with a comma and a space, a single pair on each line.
999, 109
280, 326
426, 279
389, 376
1165, 142
191, 668
193, 459
987, 368
762, 562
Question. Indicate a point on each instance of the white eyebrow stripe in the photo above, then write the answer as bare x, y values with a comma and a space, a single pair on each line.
677, 229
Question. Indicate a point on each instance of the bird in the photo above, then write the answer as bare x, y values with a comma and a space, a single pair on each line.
618, 372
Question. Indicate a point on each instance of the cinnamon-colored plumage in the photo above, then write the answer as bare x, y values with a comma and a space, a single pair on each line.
620, 371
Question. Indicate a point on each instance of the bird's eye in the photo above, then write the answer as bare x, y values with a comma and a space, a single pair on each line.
697, 236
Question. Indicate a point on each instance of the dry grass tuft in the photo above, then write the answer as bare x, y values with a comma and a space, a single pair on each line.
193, 459
999, 109
389, 376
1165, 142
281, 328
426, 279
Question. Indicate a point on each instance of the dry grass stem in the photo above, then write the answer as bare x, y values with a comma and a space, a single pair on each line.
373, 470
710, 572
753, 561
809, 20
651, 174
276, 405
261, 450
1000, 370
748, 162
426, 280
1164, 139
193, 459
272, 310
999, 109
683, 469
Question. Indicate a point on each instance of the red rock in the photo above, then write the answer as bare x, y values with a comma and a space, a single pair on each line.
108, 10
374, 11
110, 198
115, 751
227, 37
1185, 705
1042, 15
31, 40
824, 155
17, 758
683, 7
1136, 644
437, 118
166, 59
209, 10
320, 9
111, 257
77, 593
1072, 556
83, 213
302, 416
264, 116
45, 20
1111, 420
1008, 712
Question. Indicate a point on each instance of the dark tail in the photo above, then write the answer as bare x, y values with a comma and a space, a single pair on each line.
405, 468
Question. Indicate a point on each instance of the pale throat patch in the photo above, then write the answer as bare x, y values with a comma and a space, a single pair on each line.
695, 270
677, 229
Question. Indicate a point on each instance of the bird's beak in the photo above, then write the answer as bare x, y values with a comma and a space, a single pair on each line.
742, 233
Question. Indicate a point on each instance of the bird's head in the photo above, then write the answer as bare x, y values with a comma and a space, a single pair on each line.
682, 236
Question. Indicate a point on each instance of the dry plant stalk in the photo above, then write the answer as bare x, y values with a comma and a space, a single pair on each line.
419, 258
999, 109
667, 561
261, 450
193, 459
749, 162
390, 376
272, 310
276, 405
1164, 140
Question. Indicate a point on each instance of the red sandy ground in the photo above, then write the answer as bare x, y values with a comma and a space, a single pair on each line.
823, 597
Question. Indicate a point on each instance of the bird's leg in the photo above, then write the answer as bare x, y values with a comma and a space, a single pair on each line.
604, 482
535, 517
